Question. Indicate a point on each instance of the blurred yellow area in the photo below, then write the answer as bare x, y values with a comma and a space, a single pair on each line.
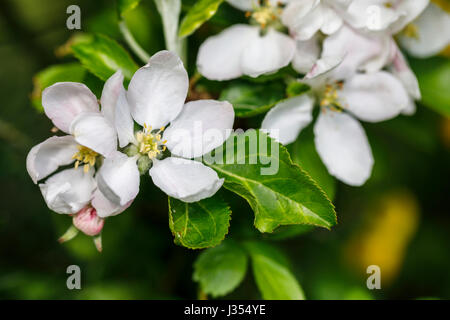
391, 223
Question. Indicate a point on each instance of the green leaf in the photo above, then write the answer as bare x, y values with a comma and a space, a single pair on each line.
103, 57
127, 5
434, 78
201, 12
260, 170
304, 153
272, 276
200, 224
221, 269
72, 72
252, 99
287, 232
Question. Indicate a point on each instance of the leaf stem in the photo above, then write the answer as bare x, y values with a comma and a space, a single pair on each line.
129, 39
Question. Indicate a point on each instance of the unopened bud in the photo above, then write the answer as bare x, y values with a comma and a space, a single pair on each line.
87, 221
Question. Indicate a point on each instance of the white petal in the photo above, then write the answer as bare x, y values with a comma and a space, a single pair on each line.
63, 101
372, 15
202, 126
306, 54
44, 158
285, 121
374, 97
118, 179
409, 11
400, 68
331, 20
267, 54
113, 87
124, 122
158, 90
219, 57
343, 147
244, 5
94, 131
186, 180
355, 47
68, 191
303, 18
433, 27
106, 208
323, 66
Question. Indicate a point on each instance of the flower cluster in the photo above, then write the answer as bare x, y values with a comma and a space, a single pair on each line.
347, 51
107, 155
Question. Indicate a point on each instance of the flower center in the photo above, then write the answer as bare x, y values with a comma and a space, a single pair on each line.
149, 143
411, 31
265, 14
330, 96
85, 157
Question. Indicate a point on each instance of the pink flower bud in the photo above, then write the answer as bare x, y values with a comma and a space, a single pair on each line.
87, 221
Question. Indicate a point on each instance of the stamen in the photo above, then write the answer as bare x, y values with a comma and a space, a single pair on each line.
330, 98
85, 156
149, 143
411, 31
265, 14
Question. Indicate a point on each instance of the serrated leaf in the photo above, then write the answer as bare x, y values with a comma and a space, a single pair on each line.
221, 269
200, 224
252, 99
201, 12
272, 275
434, 78
279, 191
73, 72
103, 57
127, 5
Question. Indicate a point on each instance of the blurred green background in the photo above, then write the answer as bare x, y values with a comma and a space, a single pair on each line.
399, 220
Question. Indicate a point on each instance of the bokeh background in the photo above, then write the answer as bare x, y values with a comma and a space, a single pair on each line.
400, 220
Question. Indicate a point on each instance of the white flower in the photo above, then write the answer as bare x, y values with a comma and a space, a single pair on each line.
250, 50
73, 109
156, 97
370, 52
429, 34
340, 139
305, 18
378, 15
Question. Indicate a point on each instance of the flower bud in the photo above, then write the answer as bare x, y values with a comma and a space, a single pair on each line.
87, 221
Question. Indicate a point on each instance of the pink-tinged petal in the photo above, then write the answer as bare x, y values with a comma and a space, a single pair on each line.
64, 101
94, 131
44, 158
186, 180
158, 90
112, 89
219, 57
401, 69
87, 221
285, 121
267, 53
68, 191
374, 97
202, 126
118, 179
343, 147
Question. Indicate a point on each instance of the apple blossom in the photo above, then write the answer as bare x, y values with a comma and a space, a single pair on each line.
250, 50
429, 34
305, 18
155, 98
339, 138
